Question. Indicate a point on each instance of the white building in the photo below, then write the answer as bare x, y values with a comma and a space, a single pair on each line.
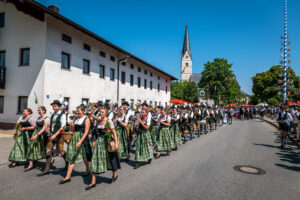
49, 55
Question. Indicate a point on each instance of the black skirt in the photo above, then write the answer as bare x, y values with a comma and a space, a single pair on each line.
115, 161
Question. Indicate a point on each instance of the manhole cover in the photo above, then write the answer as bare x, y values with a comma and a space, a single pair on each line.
249, 169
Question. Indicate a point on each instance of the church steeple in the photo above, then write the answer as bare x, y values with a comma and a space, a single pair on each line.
186, 44
186, 57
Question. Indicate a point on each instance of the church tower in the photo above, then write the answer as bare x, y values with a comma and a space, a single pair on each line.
186, 58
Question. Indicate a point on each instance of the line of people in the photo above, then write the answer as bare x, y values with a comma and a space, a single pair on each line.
89, 133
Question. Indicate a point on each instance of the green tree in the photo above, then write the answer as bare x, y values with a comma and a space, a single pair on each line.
185, 90
218, 77
265, 85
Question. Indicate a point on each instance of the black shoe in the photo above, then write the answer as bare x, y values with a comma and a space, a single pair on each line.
149, 161
176, 148
28, 169
128, 157
11, 165
113, 179
64, 181
44, 173
137, 165
90, 187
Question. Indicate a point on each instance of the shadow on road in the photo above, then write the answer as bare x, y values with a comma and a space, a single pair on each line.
287, 154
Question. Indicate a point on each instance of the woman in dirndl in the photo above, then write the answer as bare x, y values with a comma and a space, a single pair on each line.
174, 129
79, 148
121, 123
164, 140
102, 160
24, 132
144, 151
36, 148
154, 125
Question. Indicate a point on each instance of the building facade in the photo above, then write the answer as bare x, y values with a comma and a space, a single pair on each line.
47, 56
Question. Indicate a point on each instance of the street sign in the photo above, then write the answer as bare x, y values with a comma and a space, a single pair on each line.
280, 81
201, 92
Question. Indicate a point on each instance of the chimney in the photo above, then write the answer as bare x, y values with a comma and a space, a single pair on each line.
54, 8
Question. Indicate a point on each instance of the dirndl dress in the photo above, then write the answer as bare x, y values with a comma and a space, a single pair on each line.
144, 150
164, 140
122, 141
102, 160
36, 148
19, 149
175, 135
84, 152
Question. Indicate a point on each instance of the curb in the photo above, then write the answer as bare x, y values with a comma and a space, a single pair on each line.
276, 126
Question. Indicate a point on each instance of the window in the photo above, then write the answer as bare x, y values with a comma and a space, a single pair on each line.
1, 104
151, 74
158, 87
24, 59
22, 104
150, 103
145, 83
102, 71
131, 79
124, 63
122, 101
102, 54
86, 66
139, 82
85, 101
139, 69
187, 57
158, 78
131, 66
112, 58
2, 19
166, 89
2, 58
166, 80
66, 38
66, 103
65, 60
112, 74
87, 47
186, 64
155, 103
150, 85
145, 71
166, 104
123, 77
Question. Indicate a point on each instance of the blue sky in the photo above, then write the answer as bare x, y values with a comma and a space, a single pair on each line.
246, 32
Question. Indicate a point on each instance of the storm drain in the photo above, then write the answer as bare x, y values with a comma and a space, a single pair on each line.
249, 169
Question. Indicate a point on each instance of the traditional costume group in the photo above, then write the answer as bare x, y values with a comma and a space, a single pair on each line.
102, 134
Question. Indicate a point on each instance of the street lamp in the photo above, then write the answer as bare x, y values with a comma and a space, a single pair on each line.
118, 84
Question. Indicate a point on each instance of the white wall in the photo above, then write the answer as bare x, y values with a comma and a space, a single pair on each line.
76, 85
21, 31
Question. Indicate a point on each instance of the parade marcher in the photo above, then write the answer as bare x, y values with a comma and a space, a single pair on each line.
144, 151
154, 125
57, 122
19, 149
283, 118
190, 122
230, 112
102, 160
36, 148
120, 125
220, 115
210, 119
79, 148
128, 117
197, 119
183, 123
174, 129
164, 141
204, 117
95, 118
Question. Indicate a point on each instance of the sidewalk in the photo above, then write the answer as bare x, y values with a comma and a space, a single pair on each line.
6, 142
274, 123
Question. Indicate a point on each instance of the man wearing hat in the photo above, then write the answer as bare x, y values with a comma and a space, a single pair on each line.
204, 117
57, 122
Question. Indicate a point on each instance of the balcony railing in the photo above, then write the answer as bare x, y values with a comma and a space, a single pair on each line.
2, 77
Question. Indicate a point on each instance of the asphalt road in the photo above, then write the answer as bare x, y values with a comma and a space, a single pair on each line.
200, 169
